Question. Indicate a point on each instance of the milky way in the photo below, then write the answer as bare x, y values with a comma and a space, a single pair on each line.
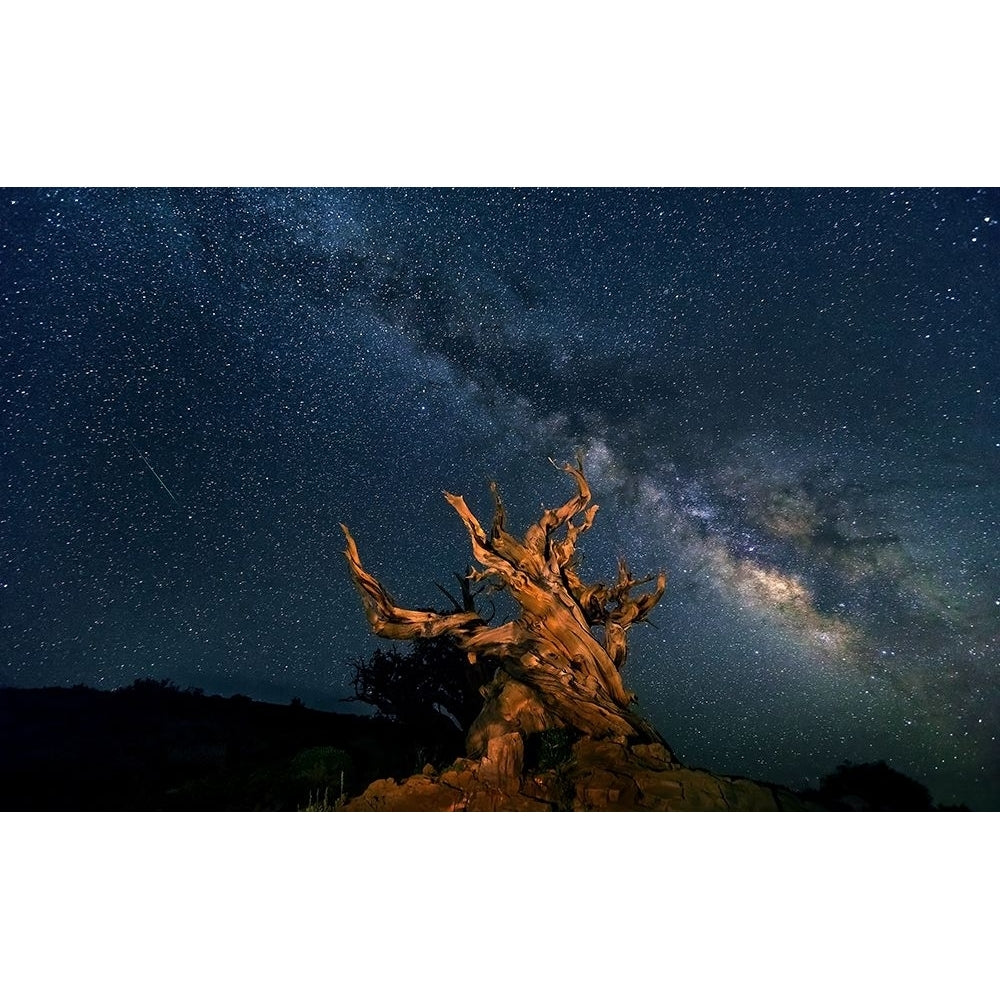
785, 399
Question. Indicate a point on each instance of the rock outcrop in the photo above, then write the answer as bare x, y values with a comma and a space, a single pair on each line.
609, 775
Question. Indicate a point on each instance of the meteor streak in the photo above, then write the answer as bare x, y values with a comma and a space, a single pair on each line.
158, 479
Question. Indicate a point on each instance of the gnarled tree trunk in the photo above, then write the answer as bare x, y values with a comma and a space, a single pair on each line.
559, 663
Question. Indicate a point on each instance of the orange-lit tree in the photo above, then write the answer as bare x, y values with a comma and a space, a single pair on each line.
559, 664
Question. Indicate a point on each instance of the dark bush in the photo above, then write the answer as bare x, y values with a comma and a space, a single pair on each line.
433, 681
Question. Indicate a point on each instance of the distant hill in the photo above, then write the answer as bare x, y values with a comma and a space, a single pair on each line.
152, 746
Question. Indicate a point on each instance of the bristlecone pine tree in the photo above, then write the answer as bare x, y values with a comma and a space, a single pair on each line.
559, 664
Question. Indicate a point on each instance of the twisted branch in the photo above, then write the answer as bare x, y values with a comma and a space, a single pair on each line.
389, 620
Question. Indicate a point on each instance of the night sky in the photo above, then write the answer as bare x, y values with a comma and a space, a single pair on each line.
786, 399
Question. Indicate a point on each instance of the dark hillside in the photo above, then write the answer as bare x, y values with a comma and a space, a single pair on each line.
152, 746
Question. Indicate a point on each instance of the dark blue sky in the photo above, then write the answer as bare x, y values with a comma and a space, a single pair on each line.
786, 399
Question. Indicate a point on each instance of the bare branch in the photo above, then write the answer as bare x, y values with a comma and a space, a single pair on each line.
538, 536
457, 606
393, 622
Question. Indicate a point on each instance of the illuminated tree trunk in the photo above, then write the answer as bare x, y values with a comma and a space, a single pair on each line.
559, 664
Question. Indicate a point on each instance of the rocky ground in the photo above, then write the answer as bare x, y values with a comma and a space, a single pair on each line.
588, 774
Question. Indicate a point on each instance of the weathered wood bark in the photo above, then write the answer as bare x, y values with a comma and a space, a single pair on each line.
560, 663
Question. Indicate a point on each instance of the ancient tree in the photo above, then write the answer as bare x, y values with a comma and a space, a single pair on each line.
559, 664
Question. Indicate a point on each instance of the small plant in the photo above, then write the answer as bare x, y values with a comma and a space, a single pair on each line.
550, 748
318, 803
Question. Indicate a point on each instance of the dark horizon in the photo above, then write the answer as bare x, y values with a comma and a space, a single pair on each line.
151, 746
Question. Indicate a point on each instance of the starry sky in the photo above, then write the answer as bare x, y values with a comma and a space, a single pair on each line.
786, 399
